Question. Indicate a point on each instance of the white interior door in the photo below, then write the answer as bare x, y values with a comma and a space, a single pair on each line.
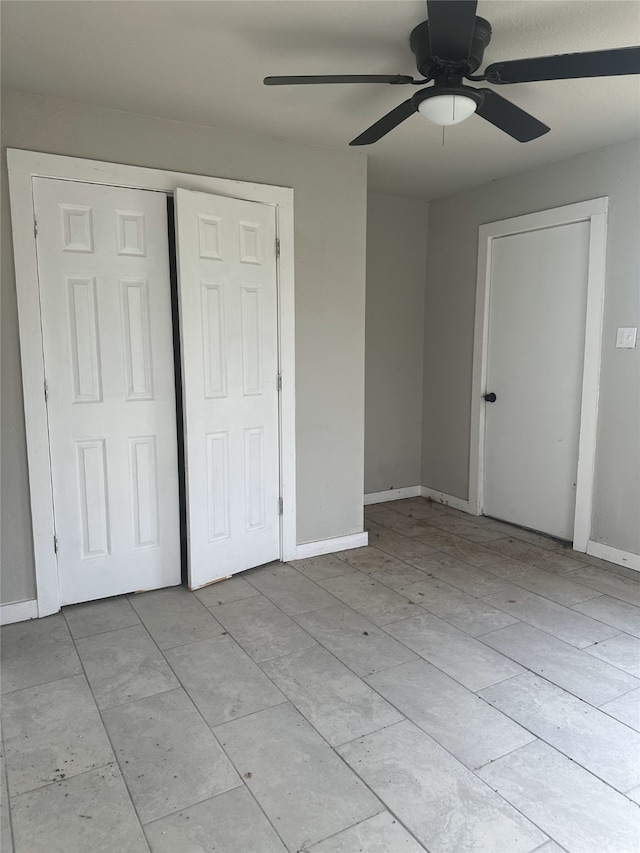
537, 311
103, 269
229, 333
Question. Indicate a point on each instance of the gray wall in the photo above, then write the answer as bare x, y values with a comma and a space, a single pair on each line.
396, 253
330, 223
449, 316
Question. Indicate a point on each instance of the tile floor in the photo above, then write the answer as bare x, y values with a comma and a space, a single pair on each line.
460, 685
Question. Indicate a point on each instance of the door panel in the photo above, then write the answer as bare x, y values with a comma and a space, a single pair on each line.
103, 269
535, 359
228, 320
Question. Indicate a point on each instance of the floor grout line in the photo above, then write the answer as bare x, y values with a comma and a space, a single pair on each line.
185, 691
58, 782
406, 719
310, 723
115, 755
615, 698
5, 783
210, 728
505, 558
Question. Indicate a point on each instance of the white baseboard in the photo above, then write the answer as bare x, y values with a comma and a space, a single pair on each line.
330, 546
446, 500
18, 611
392, 495
614, 555
415, 492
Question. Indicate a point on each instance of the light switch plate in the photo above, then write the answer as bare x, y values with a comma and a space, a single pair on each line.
626, 338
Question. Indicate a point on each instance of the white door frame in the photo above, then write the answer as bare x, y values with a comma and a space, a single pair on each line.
594, 212
23, 166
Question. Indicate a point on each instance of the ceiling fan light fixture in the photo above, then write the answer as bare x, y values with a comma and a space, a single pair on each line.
447, 109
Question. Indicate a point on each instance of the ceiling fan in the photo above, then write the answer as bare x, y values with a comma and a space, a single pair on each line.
449, 47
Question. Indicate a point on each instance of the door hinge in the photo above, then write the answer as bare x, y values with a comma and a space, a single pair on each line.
55, 544
46, 391
279, 382
277, 247
280, 506
35, 227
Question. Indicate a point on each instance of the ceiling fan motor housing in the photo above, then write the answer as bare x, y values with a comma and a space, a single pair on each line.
420, 44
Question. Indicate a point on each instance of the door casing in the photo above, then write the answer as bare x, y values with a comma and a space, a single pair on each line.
23, 166
594, 212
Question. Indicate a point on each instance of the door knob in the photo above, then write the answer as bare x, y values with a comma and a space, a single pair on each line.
490, 398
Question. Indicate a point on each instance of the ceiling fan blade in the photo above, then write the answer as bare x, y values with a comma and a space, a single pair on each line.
510, 118
451, 24
566, 66
338, 78
385, 124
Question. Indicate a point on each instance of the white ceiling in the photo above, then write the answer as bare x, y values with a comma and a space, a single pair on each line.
203, 61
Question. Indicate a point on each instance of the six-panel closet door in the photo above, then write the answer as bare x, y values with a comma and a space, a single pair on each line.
103, 269
229, 339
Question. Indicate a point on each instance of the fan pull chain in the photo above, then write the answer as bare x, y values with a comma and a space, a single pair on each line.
453, 115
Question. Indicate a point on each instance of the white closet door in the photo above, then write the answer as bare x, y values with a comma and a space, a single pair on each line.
228, 320
103, 269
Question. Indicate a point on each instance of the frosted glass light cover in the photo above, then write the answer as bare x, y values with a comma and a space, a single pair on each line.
447, 109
